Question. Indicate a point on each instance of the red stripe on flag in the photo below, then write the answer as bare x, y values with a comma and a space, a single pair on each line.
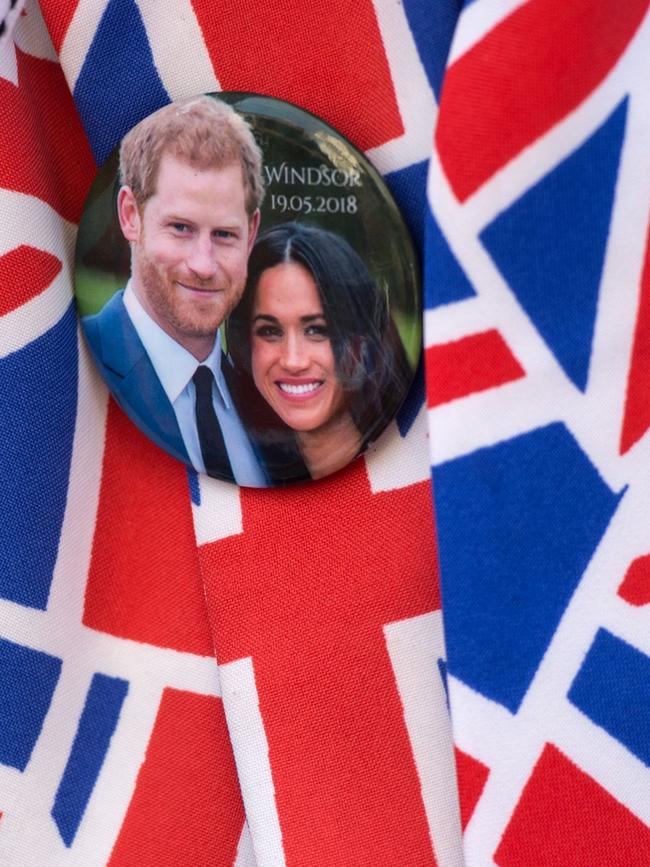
186, 808
635, 587
522, 78
58, 15
143, 581
472, 776
636, 419
565, 817
306, 590
24, 273
474, 363
328, 59
50, 157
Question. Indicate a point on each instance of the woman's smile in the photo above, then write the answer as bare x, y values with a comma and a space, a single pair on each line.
299, 389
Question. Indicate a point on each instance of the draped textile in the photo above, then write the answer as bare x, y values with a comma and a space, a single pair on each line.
193, 674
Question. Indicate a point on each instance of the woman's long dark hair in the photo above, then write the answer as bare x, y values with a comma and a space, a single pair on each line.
370, 359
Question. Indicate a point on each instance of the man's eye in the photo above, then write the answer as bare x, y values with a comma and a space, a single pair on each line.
181, 228
224, 233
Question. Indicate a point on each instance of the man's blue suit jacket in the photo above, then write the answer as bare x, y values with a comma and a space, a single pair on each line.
127, 369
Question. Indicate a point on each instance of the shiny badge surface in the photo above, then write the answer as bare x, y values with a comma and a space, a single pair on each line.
248, 289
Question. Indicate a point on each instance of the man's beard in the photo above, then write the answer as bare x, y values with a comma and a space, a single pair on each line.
186, 317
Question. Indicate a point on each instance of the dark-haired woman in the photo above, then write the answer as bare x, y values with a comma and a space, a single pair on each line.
314, 331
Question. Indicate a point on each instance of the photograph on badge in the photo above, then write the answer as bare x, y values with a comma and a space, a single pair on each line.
248, 290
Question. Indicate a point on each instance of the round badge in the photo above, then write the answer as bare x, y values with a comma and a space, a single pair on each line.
248, 289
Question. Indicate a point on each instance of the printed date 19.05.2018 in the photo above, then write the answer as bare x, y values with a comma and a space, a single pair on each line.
314, 204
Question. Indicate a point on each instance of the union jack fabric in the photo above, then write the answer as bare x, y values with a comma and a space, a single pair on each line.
196, 674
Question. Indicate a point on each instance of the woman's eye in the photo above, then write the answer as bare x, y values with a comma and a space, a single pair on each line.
319, 331
268, 331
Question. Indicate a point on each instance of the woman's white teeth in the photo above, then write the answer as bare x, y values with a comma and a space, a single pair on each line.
298, 389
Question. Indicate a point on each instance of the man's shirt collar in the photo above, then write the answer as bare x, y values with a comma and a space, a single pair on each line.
174, 365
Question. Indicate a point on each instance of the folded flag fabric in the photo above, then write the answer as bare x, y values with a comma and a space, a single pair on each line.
193, 673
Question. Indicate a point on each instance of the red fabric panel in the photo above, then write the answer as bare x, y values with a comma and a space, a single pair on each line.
565, 818
471, 364
24, 273
51, 158
472, 776
561, 51
327, 59
58, 15
637, 403
635, 587
305, 591
144, 582
186, 808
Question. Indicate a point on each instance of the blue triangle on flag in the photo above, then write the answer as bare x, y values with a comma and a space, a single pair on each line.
409, 187
409, 410
444, 279
118, 84
38, 384
432, 26
550, 245
194, 485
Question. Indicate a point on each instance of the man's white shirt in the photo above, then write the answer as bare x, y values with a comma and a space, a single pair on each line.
175, 367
